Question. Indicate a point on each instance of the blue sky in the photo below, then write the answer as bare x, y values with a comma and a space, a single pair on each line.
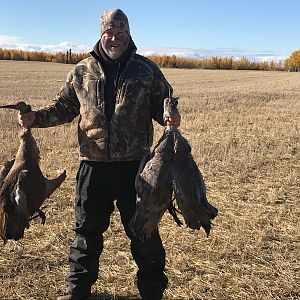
253, 28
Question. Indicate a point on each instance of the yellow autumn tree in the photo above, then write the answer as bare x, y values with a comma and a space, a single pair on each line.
293, 62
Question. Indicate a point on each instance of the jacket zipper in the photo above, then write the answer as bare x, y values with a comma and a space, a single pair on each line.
108, 141
116, 83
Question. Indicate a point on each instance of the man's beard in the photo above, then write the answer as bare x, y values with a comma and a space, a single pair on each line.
115, 53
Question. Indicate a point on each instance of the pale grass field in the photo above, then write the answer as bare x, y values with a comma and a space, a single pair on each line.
243, 127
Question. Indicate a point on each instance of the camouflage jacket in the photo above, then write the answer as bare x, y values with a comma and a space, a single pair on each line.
141, 90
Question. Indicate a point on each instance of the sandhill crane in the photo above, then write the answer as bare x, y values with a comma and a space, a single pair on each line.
170, 172
23, 187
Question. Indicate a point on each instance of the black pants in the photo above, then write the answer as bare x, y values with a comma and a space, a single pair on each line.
98, 186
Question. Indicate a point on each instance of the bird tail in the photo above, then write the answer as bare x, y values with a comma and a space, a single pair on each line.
53, 184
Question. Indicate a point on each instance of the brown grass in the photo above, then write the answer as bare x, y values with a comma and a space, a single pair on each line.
243, 127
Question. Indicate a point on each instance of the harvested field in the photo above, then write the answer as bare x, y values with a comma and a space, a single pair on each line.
244, 129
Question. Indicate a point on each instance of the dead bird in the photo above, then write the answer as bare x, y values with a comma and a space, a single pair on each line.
153, 185
170, 173
23, 187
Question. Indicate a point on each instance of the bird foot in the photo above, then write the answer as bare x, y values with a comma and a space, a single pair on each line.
41, 215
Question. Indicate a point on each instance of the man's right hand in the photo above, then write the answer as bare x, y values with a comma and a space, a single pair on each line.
26, 119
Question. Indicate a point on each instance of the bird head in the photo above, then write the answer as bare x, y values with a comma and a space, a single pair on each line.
170, 106
20, 106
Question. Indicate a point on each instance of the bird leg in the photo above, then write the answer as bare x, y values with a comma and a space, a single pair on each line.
173, 212
39, 214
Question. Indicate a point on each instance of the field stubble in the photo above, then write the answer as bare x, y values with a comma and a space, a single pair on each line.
243, 127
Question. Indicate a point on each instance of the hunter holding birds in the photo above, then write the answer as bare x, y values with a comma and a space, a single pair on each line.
117, 93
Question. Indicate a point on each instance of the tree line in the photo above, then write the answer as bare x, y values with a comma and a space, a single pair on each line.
59, 57
223, 63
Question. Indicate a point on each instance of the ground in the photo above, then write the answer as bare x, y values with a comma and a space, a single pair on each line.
243, 127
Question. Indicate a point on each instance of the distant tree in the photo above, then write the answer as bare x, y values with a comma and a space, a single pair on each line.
293, 62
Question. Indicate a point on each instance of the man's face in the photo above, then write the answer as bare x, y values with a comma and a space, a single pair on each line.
114, 42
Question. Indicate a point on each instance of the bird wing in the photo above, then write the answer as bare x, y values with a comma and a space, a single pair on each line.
189, 188
15, 217
5, 170
154, 190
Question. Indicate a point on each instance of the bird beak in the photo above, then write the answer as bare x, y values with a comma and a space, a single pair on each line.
11, 106
20, 106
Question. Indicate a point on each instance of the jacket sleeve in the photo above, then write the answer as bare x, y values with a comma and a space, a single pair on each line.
161, 89
65, 108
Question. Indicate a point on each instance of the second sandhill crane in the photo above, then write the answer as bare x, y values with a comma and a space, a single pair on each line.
23, 187
166, 174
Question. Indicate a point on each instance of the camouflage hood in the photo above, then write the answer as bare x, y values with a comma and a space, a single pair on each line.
140, 92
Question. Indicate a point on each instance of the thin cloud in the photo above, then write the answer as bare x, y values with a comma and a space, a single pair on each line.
7, 41
12, 42
54, 48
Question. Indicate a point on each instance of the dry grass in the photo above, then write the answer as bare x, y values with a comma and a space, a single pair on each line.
243, 127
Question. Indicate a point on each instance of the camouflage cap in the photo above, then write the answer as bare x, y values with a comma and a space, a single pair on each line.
114, 18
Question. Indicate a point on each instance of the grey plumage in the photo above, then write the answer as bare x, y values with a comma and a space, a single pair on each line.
154, 188
23, 188
169, 173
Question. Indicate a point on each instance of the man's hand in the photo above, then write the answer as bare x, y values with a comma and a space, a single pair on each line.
173, 121
26, 119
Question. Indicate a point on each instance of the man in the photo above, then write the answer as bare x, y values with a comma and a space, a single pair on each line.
117, 93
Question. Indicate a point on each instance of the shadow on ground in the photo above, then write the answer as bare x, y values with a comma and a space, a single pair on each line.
105, 296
